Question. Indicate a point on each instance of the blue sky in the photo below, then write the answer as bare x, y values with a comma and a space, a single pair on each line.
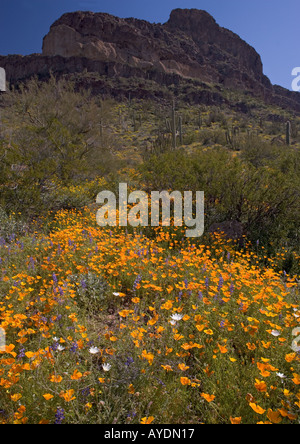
270, 26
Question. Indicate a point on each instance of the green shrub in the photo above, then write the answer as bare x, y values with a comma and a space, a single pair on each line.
10, 227
264, 199
91, 290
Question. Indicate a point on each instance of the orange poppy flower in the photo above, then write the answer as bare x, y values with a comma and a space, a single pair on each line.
257, 408
68, 395
208, 398
76, 375
57, 379
148, 420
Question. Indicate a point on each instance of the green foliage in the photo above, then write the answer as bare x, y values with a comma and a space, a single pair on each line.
51, 134
56, 140
288, 133
10, 226
261, 195
91, 290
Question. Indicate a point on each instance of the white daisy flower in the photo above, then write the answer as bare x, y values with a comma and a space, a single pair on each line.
275, 333
281, 375
176, 317
60, 348
94, 350
106, 367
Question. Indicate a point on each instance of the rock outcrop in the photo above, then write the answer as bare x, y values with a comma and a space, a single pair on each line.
191, 45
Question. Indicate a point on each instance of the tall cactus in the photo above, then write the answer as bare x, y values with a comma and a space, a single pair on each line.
288, 132
199, 119
174, 125
180, 131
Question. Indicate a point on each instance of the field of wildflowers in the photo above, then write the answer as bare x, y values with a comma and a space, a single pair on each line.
107, 326
144, 326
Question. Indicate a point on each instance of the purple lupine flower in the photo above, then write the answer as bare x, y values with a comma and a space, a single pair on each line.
59, 416
21, 354
221, 282
54, 347
207, 282
74, 347
136, 282
129, 361
83, 284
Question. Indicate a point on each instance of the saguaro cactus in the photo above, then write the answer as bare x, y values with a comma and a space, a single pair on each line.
174, 125
180, 131
288, 132
2, 90
2, 80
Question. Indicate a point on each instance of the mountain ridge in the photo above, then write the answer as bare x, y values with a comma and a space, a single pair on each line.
190, 46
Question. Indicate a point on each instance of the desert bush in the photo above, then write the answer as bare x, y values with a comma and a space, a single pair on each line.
10, 227
52, 133
263, 198
91, 290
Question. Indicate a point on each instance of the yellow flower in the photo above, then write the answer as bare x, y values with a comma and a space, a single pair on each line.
261, 386
222, 349
76, 375
257, 408
274, 417
148, 356
148, 420
125, 313
183, 367
208, 398
131, 389
88, 406
236, 420
167, 306
57, 379
168, 368
185, 381
296, 379
16, 397
68, 395
177, 337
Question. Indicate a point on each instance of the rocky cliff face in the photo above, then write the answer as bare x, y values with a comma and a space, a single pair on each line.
191, 45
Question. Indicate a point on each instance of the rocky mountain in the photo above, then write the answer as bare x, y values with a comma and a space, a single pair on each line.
190, 48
